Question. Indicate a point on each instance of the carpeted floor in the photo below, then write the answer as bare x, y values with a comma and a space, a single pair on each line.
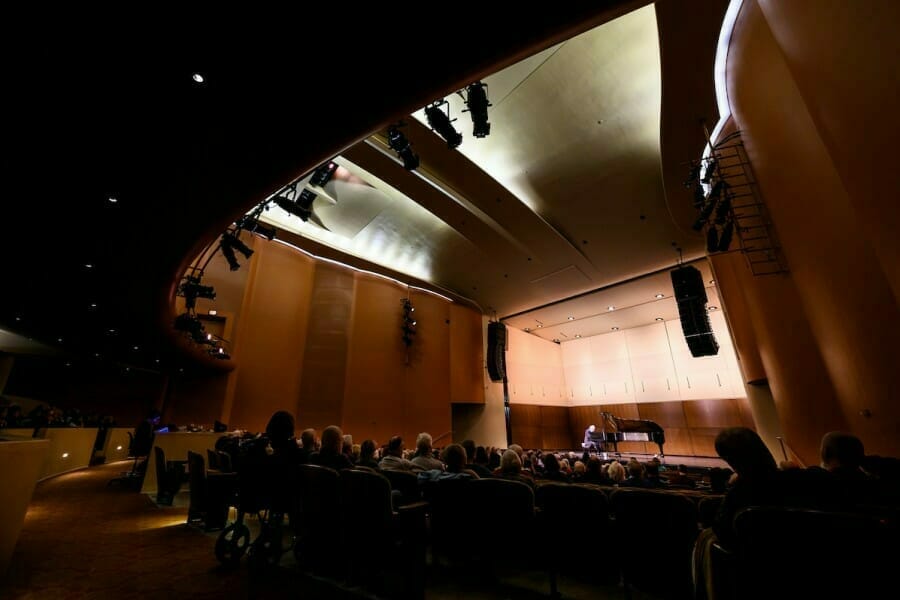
86, 539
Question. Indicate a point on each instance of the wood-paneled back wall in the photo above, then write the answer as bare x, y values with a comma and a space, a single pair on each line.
324, 342
690, 426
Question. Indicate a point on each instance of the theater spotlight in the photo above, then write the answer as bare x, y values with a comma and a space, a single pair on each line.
323, 174
441, 122
260, 229
399, 144
191, 289
477, 103
189, 324
229, 243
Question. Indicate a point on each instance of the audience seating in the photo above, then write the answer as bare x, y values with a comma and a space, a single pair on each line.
319, 526
210, 494
369, 515
169, 476
655, 535
406, 484
574, 520
805, 553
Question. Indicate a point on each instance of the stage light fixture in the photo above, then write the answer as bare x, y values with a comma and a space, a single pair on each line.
442, 124
254, 226
229, 243
399, 144
323, 174
191, 289
477, 103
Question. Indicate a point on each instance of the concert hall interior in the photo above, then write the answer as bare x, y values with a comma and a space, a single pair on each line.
614, 234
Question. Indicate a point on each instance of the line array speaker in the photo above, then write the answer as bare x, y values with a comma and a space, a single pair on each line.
496, 351
691, 297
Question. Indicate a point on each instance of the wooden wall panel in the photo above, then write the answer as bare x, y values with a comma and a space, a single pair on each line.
466, 355
272, 334
374, 405
706, 418
525, 421
327, 339
669, 416
426, 380
555, 430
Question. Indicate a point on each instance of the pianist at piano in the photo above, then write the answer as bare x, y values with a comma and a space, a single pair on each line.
614, 430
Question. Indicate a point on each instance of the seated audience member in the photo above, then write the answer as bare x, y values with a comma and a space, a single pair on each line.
472, 458
330, 455
347, 445
511, 468
635, 475
578, 471
552, 470
367, 455
480, 463
493, 459
842, 456
355, 453
593, 472
393, 459
756, 481
679, 477
651, 475
424, 459
454, 456
616, 472
280, 431
308, 445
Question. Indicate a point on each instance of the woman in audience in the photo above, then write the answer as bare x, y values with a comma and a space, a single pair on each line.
367, 455
616, 472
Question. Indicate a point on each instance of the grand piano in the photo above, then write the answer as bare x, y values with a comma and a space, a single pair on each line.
612, 430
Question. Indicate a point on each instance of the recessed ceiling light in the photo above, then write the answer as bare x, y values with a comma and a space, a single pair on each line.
157, 361
571, 318
658, 296
556, 340
197, 77
213, 312
539, 326
528, 329
65, 455
18, 318
614, 328
136, 348
712, 281
578, 335
93, 305
659, 319
88, 266
713, 308
59, 340
96, 355
113, 199
610, 308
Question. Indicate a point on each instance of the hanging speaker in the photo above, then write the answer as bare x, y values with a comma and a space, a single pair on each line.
690, 294
496, 351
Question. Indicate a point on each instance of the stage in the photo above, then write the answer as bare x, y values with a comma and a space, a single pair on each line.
699, 462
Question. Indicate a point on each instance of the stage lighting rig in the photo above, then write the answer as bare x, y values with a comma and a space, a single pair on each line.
399, 144
191, 289
231, 242
440, 122
477, 103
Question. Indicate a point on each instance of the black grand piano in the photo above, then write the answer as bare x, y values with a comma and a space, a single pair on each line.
612, 430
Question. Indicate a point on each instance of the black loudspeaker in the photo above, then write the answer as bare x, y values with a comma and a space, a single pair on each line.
496, 351
691, 297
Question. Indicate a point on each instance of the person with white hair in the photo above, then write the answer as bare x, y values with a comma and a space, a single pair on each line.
511, 468
424, 459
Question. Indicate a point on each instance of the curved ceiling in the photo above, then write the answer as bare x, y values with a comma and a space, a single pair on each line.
564, 196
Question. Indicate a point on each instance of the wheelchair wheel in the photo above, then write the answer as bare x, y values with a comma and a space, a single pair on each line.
232, 543
266, 550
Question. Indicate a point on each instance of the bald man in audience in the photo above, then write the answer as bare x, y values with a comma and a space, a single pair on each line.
330, 454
